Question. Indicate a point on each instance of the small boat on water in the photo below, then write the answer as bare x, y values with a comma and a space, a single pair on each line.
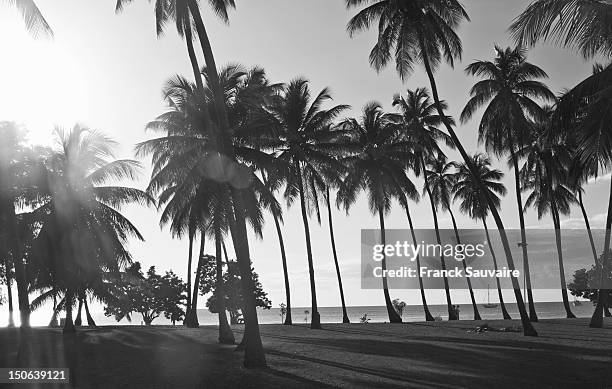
489, 304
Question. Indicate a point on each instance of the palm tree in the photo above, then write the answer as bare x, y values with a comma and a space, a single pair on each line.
254, 354
35, 22
376, 163
510, 87
545, 172
583, 25
83, 234
428, 315
420, 31
345, 318
441, 177
418, 123
278, 219
303, 142
474, 203
189, 171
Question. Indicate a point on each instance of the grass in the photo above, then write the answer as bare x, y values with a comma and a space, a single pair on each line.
439, 354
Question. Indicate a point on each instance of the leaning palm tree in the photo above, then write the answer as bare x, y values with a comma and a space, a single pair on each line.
304, 143
326, 195
278, 219
376, 163
509, 87
441, 177
34, 20
418, 124
419, 31
474, 203
545, 173
582, 26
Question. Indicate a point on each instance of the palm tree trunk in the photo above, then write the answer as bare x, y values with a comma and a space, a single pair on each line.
533, 316
9, 292
345, 318
211, 67
557, 224
452, 315
528, 329
195, 67
69, 324
226, 336
90, 320
602, 301
288, 319
469, 282
394, 317
315, 322
192, 321
56, 310
505, 313
189, 260
428, 316
254, 356
588, 226
78, 321
279, 232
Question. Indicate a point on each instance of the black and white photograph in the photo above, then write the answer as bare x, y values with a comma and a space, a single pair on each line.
305, 194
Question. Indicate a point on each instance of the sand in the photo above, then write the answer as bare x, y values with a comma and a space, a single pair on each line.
422, 355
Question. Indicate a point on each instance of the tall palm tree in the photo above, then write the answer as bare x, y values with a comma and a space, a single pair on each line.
545, 173
418, 123
278, 219
420, 31
474, 203
304, 143
345, 318
405, 205
376, 163
254, 354
509, 87
441, 177
34, 20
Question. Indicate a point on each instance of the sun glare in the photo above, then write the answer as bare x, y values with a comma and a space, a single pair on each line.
41, 83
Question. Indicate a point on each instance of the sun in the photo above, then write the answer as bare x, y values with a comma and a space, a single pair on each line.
41, 82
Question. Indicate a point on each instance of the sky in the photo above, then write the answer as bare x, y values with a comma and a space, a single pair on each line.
106, 71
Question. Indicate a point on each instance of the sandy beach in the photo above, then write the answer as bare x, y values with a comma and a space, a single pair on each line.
421, 355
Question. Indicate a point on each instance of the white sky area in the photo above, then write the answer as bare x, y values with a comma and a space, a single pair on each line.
106, 71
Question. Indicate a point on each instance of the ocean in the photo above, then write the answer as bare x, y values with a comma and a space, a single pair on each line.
376, 314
